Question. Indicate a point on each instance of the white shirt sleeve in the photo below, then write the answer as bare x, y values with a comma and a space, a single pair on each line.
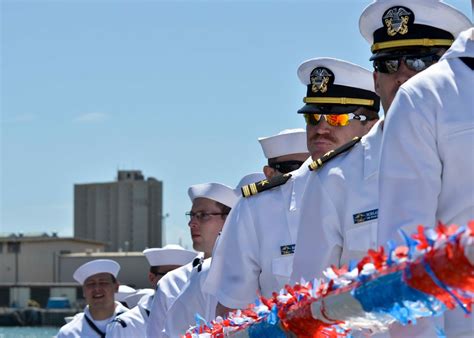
158, 311
234, 274
410, 169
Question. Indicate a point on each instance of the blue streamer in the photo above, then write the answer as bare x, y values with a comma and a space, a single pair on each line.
266, 330
352, 265
411, 243
391, 248
199, 319
391, 295
440, 332
272, 317
443, 286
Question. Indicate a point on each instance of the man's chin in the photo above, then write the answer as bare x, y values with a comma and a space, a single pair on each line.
320, 153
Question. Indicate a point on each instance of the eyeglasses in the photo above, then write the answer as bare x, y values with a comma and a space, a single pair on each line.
286, 166
335, 120
203, 216
416, 63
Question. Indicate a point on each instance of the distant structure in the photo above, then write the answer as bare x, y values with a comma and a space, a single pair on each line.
126, 214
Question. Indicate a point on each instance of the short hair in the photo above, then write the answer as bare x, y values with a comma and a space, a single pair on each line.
154, 269
223, 208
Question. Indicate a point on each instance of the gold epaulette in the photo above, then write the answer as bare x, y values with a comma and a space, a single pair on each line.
333, 153
255, 188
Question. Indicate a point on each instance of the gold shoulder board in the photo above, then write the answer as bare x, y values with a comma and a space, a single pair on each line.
333, 153
255, 188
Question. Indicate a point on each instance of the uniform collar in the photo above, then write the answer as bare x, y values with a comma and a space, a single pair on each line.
371, 144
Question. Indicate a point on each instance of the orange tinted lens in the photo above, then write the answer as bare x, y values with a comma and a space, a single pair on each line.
339, 120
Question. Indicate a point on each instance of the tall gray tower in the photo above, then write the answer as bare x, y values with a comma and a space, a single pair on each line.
126, 214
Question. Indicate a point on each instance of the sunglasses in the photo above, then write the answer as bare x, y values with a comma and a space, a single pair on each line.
416, 63
286, 167
335, 120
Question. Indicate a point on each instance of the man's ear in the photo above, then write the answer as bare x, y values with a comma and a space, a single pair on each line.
268, 171
151, 277
117, 286
375, 75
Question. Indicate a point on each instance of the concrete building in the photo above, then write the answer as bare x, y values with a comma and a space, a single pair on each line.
126, 214
39, 267
30, 265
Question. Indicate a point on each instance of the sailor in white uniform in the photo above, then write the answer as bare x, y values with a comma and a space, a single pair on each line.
285, 152
99, 285
162, 260
193, 300
341, 211
255, 251
211, 203
427, 160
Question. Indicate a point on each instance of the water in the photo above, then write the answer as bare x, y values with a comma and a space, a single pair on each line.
28, 331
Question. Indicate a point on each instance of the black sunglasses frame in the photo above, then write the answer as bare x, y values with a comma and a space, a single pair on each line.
286, 167
390, 65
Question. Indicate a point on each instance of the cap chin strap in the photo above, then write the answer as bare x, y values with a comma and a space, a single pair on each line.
339, 100
410, 43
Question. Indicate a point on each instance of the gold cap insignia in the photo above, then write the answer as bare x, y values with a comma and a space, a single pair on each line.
396, 20
320, 79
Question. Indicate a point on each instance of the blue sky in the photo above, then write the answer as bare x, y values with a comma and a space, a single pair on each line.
178, 89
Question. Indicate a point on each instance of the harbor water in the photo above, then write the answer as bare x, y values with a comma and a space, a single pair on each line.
28, 331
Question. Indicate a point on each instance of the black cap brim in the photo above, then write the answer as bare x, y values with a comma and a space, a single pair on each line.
399, 52
327, 109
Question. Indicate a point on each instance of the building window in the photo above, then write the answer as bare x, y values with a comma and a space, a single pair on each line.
13, 247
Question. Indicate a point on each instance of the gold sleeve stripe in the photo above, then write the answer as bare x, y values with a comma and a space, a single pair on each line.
246, 190
411, 42
253, 189
339, 100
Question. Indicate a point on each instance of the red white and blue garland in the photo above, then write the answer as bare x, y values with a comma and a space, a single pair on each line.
432, 273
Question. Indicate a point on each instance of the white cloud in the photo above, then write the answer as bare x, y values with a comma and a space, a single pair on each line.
21, 118
92, 117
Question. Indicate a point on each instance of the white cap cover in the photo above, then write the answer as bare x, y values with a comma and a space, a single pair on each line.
123, 292
171, 254
133, 299
405, 23
286, 142
214, 191
94, 267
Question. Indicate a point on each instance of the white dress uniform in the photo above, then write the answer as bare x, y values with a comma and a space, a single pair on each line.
84, 326
427, 160
340, 216
167, 290
191, 301
255, 249
131, 324
339, 211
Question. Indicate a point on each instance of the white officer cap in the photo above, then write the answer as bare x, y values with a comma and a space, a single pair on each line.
388, 24
123, 292
133, 299
171, 254
334, 82
94, 267
214, 191
248, 179
286, 142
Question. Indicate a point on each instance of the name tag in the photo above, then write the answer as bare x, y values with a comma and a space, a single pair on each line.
287, 249
366, 216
